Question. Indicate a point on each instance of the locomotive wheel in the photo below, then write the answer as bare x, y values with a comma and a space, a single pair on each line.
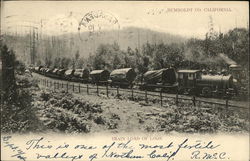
180, 91
192, 91
206, 91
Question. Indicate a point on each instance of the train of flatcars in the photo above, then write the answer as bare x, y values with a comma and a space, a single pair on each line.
192, 82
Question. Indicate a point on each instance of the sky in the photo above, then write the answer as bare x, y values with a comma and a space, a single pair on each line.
188, 19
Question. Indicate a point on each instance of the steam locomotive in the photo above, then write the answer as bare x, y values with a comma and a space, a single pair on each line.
191, 82
195, 83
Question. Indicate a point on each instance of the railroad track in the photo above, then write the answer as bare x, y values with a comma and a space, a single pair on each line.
231, 103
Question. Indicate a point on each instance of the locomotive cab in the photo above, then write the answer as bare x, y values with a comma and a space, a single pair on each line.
187, 80
54, 73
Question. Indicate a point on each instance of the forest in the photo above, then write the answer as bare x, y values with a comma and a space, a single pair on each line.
212, 53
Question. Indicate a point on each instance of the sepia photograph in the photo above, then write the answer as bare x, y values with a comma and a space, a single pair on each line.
133, 72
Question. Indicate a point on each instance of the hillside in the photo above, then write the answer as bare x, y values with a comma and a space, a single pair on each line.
68, 44
129, 37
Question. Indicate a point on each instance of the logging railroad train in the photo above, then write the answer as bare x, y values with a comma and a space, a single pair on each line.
191, 82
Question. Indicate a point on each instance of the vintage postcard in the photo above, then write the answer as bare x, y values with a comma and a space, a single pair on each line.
124, 80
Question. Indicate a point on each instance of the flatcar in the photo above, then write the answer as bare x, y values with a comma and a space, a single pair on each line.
54, 73
37, 69
69, 74
60, 73
49, 72
122, 77
99, 76
81, 75
43, 70
163, 78
31, 68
